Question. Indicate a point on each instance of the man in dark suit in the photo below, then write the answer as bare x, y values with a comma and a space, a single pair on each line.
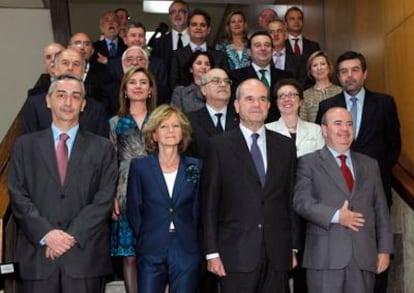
178, 37
377, 128
340, 195
296, 43
61, 186
217, 116
36, 116
199, 28
112, 45
282, 59
260, 49
248, 223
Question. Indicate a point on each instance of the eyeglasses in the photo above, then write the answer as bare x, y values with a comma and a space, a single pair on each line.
278, 31
176, 11
219, 81
81, 43
289, 96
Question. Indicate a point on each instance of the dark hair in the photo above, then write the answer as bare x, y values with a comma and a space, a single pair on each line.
293, 8
121, 9
134, 24
66, 76
203, 13
179, 2
228, 34
288, 81
349, 55
258, 33
188, 77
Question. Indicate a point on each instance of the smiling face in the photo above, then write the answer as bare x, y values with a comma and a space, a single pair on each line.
138, 87
319, 68
178, 14
351, 76
237, 24
217, 86
198, 29
288, 100
169, 133
337, 129
200, 66
261, 50
134, 57
135, 37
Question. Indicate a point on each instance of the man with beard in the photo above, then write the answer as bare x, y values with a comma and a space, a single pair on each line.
376, 124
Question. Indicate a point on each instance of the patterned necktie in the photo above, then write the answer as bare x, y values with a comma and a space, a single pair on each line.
257, 158
219, 126
180, 41
346, 172
277, 59
296, 49
263, 77
112, 49
62, 156
354, 113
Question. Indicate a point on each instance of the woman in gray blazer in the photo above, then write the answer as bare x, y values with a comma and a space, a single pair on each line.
189, 98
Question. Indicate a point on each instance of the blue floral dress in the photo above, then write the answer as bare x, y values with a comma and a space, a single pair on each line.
129, 143
234, 59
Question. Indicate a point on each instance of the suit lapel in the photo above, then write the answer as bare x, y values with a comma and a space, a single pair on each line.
180, 181
368, 111
48, 152
332, 170
159, 177
206, 122
231, 119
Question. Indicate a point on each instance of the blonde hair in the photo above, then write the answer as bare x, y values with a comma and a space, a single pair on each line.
312, 57
159, 115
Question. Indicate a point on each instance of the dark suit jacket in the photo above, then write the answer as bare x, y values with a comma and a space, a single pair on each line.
163, 49
41, 86
81, 207
240, 217
309, 47
37, 116
240, 75
320, 191
203, 128
179, 63
150, 209
102, 48
379, 133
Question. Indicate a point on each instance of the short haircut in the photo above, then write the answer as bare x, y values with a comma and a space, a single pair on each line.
134, 24
288, 81
66, 76
121, 9
293, 8
58, 55
312, 57
203, 13
135, 48
349, 55
159, 115
105, 13
258, 33
237, 93
179, 2
125, 103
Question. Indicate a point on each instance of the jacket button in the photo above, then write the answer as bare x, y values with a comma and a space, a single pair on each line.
171, 210
259, 226
62, 196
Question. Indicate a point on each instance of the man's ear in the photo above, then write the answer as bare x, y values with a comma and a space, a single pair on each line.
83, 105
48, 101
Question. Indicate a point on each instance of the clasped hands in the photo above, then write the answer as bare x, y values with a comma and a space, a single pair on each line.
57, 243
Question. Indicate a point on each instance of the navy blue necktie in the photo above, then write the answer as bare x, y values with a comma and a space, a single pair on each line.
257, 158
112, 49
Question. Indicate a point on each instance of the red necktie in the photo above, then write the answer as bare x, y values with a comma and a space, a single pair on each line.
62, 156
346, 172
296, 49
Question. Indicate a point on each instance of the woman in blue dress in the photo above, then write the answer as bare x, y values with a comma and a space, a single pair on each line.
235, 44
137, 99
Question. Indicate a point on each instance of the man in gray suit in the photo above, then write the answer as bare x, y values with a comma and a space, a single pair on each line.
61, 184
340, 195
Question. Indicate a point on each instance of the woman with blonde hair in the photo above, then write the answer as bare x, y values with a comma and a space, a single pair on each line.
137, 99
320, 70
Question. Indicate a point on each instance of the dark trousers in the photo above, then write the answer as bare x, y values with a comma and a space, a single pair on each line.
177, 268
59, 282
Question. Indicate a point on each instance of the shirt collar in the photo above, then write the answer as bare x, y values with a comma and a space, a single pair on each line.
211, 111
360, 96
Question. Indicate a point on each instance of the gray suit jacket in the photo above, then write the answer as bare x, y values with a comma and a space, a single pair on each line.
188, 98
320, 191
81, 207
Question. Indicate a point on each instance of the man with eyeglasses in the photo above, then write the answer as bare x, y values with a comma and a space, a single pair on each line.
178, 37
260, 48
199, 28
282, 59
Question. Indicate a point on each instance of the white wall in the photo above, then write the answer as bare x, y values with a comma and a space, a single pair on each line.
24, 33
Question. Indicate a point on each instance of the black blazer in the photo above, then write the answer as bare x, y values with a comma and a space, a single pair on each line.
101, 48
163, 49
179, 63
379, 133
239, 215
203, 128
240, 75
81, 207
37, 116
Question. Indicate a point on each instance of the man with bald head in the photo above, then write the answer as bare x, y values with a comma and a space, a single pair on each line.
35, 114
247, 181
340, 194
43, 82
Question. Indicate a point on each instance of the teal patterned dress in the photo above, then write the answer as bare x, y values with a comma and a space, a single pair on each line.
234, 59
129, 143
